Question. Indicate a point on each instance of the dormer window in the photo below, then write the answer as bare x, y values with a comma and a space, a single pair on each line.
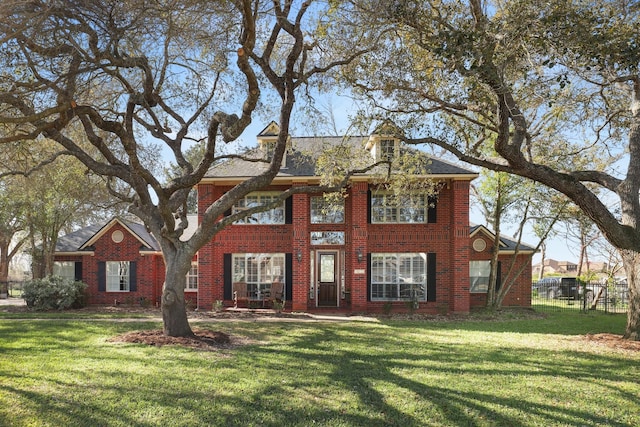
387, 149
384, 144
267, 140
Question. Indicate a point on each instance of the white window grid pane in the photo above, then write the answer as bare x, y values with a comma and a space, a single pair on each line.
260, 271
409, 210
192, 277
65, 269
117, 276
273, 216
398, 277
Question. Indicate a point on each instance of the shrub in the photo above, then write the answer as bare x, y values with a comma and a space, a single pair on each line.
54, 293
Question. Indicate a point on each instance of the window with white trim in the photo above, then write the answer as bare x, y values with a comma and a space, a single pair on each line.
65, 269
272, 216
479, 272
398, 276
117, 276
324, 211
387, 208
258, 271
192, 278
387, 149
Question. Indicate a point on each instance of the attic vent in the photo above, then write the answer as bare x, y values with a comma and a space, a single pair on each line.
479, 245
117, 236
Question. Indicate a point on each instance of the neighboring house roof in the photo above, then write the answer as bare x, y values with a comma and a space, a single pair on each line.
507, 244
303, 152
81, 241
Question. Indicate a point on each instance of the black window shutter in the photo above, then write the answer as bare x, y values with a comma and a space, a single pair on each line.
369, 206
368, 277
288, 210
432, 216
288, 276
227, 276
77, 275
431, 276
499, 276
102, 276
133, 277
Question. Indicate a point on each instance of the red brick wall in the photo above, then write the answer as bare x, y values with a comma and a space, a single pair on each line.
520, 293
149, 269
447, 238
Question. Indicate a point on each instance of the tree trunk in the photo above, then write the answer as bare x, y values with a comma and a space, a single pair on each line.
543, 255
174, 310
631, 261
4, 267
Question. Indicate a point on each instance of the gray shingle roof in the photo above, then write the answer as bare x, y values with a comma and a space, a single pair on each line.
72, 242
300, 160
75, 241
508, 244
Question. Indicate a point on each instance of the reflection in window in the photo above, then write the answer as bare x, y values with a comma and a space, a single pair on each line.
388, 208
479, 276
65, 269
272, 216
192, 277
258, 271
117, 276
326, 212
398, 276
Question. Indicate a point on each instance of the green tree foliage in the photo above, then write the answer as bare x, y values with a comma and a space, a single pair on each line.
130, 74
541, 83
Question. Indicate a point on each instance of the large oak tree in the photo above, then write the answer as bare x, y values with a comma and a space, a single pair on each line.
539, 82
169, 72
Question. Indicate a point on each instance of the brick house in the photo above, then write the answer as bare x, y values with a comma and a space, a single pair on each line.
361, 254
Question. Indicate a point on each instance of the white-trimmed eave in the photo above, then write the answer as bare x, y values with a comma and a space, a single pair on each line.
150, 252
75, 253
520, 252
106, 228
290, 179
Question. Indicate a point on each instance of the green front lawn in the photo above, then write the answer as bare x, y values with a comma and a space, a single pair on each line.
510, 372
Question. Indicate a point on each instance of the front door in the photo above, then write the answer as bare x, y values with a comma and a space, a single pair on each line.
327, 279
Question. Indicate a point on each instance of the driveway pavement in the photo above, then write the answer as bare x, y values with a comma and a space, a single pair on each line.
17, 302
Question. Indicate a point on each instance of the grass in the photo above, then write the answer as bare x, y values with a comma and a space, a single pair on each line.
506, 372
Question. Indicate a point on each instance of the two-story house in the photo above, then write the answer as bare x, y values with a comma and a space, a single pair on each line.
369, 251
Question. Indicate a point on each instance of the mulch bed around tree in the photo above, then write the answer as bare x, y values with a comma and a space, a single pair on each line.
613, 341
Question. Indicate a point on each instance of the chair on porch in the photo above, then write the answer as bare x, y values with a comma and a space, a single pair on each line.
239, 290
276, 293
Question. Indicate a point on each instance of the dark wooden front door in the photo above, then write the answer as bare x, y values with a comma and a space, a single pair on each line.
327, 279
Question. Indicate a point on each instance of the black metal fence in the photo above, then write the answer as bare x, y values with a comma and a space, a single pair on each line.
556, 295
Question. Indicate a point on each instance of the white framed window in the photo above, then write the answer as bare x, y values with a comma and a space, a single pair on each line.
388, 208
398, 276
324, 211
192, 277
258, 271
117, 276
479, 276
387, 149
272, 216
65, 269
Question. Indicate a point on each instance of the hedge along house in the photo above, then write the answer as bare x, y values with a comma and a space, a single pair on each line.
361, 255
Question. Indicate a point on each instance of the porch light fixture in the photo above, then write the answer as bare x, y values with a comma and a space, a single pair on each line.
359, 255
299, 256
